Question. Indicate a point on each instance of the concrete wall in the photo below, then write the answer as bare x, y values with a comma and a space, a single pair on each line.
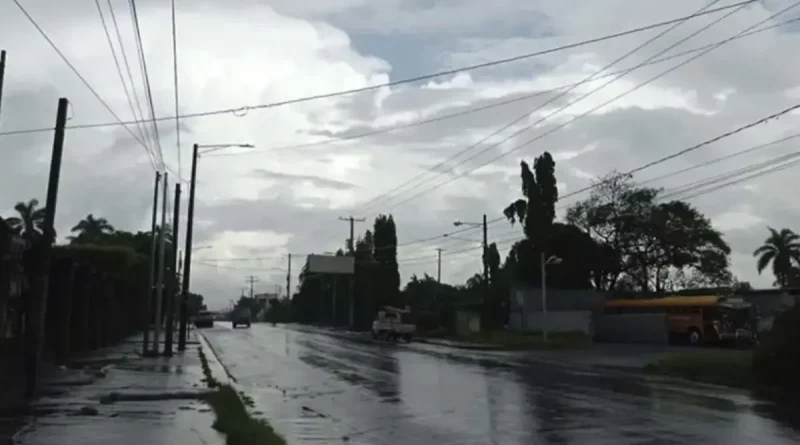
554, 321
632, 328
557, 299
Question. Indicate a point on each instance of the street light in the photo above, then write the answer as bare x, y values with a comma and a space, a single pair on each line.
187, 262
544, 263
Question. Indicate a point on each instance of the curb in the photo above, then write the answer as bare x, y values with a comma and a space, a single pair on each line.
221, 373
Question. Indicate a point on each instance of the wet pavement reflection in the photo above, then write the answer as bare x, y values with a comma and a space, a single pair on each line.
319, 389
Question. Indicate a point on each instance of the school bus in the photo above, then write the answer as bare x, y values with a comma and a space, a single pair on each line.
696, 319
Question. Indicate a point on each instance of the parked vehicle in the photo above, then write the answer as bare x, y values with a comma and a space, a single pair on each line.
241, 317
204, 319
389, 325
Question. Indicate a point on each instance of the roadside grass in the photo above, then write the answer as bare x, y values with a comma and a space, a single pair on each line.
511, 340
727, 368
232, 418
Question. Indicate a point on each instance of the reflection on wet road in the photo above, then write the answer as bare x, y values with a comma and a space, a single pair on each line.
319, 389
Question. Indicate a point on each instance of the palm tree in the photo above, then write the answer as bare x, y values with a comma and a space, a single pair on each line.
90, 229
781, 249
30, 222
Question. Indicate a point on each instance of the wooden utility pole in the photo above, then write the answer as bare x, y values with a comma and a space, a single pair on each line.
352, 291
172, 284
151, 285
289, 277
187, 262
439, 267
40, 259
2, 75
252, 280
161, 263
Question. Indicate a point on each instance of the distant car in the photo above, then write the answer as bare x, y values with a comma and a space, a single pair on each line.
241, 318
204, 319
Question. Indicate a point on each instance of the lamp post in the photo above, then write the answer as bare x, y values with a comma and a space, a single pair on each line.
486, 302
187, 262
544, 263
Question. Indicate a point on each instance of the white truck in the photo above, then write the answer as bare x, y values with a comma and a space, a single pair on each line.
389, 325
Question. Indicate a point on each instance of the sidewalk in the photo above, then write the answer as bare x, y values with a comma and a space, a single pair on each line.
118, 397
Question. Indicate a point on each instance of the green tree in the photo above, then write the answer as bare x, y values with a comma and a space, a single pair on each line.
30, 222
643, 240
536, 212
91, 230
387, 273
782, 250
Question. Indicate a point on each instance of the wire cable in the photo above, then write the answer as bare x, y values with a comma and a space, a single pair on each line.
175, 81
434, 75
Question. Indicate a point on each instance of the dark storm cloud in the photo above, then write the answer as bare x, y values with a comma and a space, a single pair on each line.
316, 181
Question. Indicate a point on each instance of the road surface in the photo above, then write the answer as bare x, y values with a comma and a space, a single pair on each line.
317, 389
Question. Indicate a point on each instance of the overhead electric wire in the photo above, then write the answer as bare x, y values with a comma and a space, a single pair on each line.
383, 197
584, 114
79, 75
146, 79
122, 77
472, 110
175, 81
134, 92
428, 76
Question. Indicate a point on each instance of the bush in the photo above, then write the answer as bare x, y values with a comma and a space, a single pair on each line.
776, 361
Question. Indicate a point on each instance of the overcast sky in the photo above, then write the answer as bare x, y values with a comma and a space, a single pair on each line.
254, 208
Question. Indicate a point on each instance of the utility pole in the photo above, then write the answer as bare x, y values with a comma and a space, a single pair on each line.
289, 277
352, 249
35, 328
487, 300
187, 262
2, 75
162, 263
173, 287
152, 276
439, 268
252, 280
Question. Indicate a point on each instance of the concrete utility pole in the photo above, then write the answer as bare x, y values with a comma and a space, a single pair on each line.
2, 75
173, 286
162, 263
187, 262
252, 280
151, 285
289, 277
439, 267
35, 328
352, 285
487, 316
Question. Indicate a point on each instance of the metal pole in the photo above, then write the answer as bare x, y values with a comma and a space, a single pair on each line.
161, 263
487, 303
152, 277
544, 296
439, 267
187, 261
172, 285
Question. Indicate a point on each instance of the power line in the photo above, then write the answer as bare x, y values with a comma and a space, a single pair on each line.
573, 119
175, 81
122, 77
380, 198
427, 76
478, 109
79, 75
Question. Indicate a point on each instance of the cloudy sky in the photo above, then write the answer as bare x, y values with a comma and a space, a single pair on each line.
254, 206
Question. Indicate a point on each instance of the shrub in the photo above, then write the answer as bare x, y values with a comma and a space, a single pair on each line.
776, 361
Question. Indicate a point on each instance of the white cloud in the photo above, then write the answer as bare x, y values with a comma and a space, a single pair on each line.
271, 202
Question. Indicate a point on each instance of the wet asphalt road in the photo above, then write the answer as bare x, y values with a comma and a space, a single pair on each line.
316, 389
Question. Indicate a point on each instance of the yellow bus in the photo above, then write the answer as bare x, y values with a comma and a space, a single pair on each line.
696, 319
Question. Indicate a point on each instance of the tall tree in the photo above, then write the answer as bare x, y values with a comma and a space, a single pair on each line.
781, 249
643, 240
537, 211
30, 222
91, 229
387, 284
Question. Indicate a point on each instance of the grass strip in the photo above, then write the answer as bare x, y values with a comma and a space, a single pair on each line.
232, 418
727, 368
